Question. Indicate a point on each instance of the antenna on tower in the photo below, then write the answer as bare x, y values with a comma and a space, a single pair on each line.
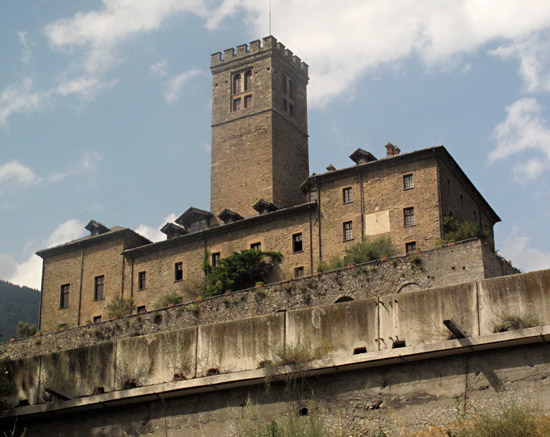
269, 17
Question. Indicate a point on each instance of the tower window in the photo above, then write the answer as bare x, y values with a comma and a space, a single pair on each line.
237, 104
64, 297
289, 95
297, 245
408, 217
347, 195
178, 271
142, 280
348, 231
241, 90
248, 80
408, 182
99, 283
248, 101
237, 84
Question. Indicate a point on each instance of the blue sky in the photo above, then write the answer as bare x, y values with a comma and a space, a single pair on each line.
105, 105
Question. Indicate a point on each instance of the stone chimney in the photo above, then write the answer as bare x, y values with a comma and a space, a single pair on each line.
392, 150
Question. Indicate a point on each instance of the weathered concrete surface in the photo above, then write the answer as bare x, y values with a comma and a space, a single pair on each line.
387, 394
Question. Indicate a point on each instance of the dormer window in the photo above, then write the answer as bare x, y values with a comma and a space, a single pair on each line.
241, 91
199, 225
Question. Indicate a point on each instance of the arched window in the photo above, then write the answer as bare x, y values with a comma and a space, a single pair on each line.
248, 80
237, 84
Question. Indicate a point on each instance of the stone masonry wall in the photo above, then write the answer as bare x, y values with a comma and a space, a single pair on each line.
437, 268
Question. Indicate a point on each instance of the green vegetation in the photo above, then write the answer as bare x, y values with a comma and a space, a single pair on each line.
359, 253
306, 422
458, 230
168, 299
515, 421
7, 386
16, 304
511, 322
120, 307
25, 329
294, 355
240, 270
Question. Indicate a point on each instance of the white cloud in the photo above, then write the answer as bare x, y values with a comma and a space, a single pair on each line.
20, 99
533, 52
154, 234
29, 272
26, 55
526, 258
524, 130
86, 165
17, 173
176, 83
160, 68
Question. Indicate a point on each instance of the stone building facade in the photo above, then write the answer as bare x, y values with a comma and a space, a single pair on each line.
263, 197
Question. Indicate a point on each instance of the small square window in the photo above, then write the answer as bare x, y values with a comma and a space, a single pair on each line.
348, 231
64, 298
347, 195
99, 283
97, 319
178, 271
408, 182
297, 245
410, 247
215, 259
141, 309
408, 217
256, 246
299, 272
142, 280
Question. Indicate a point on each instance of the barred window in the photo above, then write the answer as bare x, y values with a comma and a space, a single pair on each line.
347, 195
64, 297
410, 247
142, 280
99, 283
348, 231
408, 181
408, 217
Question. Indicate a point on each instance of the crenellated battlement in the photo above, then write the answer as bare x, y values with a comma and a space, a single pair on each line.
243, 50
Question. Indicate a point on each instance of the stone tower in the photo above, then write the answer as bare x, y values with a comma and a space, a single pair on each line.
259, 127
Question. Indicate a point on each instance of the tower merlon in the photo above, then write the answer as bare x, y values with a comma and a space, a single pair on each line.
269, 43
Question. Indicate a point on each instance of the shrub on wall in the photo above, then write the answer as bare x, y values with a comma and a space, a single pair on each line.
168, 299
25, 329
120, 307
241, 270
459, 230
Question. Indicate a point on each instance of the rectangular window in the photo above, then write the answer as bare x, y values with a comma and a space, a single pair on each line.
291, 109
178, 271
313, 196
298, 272
408, 182
99, 283
297, 245
408, 217
410, 247
215, 259
142, 280
256, 246
64, 298
97, 319
248, 101
347, 195
141, 309
348, 231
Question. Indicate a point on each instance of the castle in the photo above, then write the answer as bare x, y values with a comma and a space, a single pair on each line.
263, 197
387, 345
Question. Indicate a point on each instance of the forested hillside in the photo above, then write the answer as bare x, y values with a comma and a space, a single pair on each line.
16, 304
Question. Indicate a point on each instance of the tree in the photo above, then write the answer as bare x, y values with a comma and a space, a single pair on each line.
25, 329
459, 230
120, 307
168, 299
241, 270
